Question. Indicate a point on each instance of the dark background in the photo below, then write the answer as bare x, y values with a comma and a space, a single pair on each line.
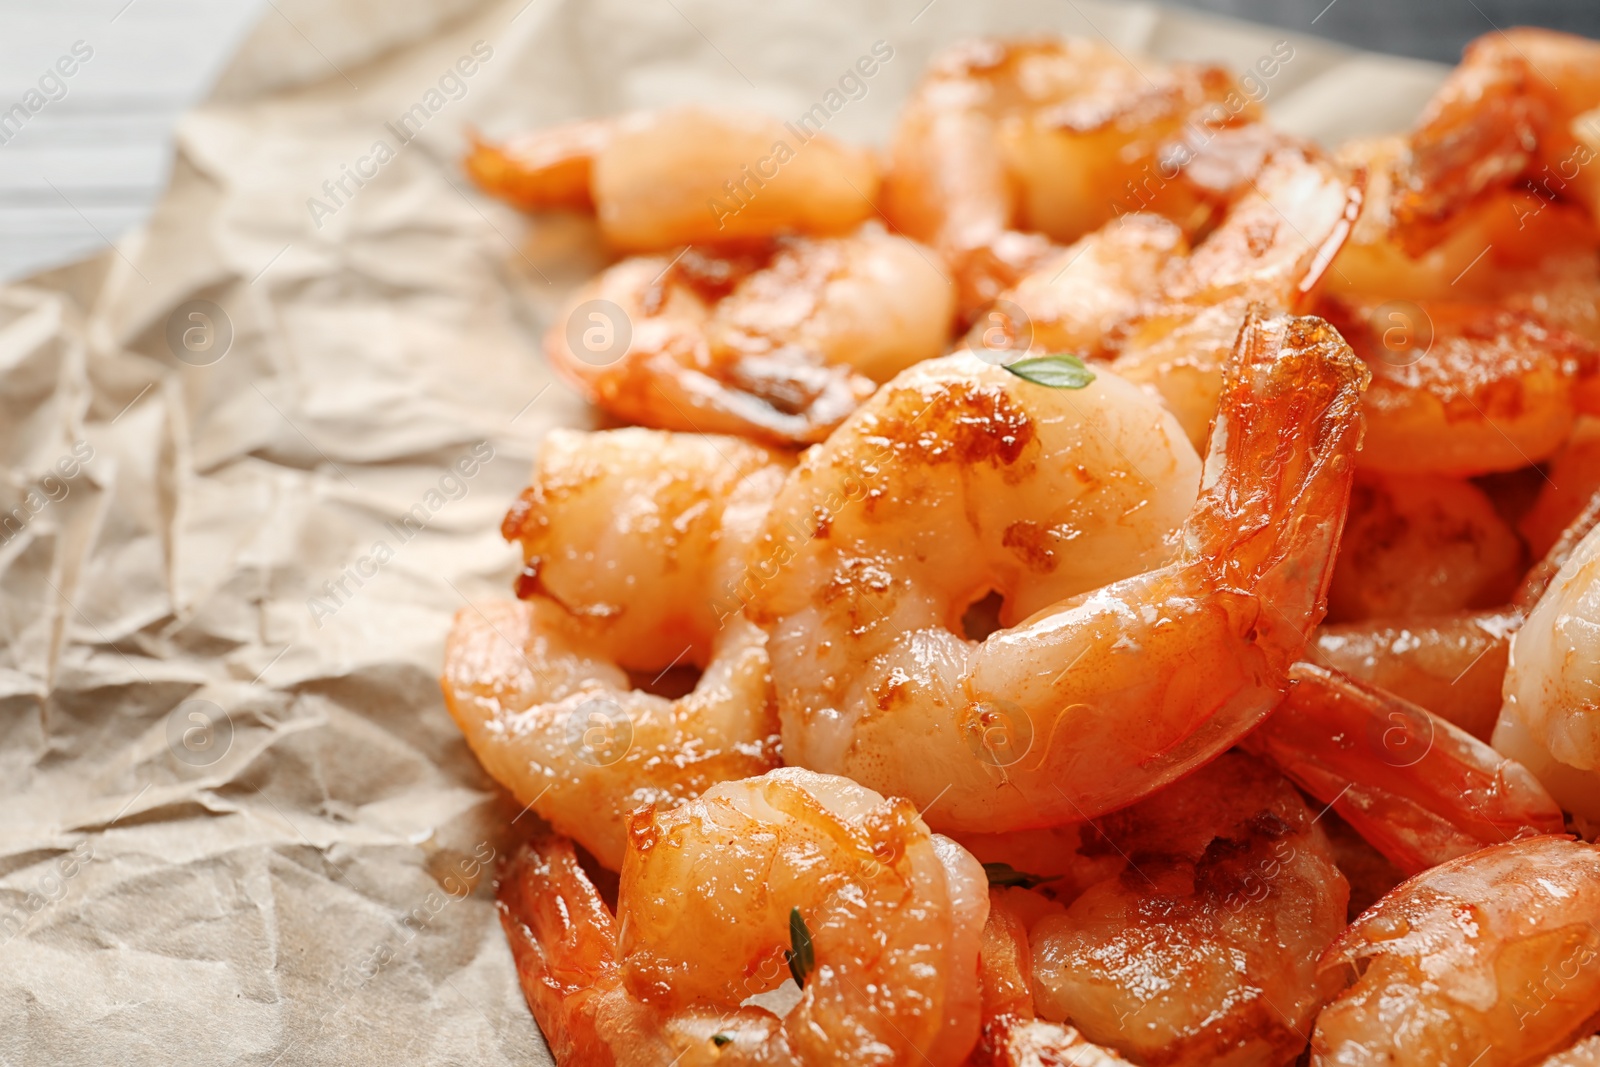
1426, 29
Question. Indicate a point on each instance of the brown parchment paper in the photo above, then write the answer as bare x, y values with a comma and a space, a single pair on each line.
236, 824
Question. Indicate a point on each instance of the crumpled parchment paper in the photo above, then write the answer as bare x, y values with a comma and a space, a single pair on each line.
255, 457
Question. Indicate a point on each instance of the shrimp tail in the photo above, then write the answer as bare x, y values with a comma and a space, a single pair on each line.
563, 940
1278, 471
798, 404
1420, 790
543, 170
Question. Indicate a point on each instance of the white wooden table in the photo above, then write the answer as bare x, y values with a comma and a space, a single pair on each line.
85, 168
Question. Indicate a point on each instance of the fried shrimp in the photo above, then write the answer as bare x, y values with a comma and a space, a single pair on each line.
1510, 246
1477, 316
1419, 789
715, 891
623, 532
1520, 106
1489, 959
1012, 1036
1271, 249
684, 175
960, 479
1484, 389
1049, 135
778, 342
1077, 299
1551, 717
1203, 948
1452, 664
1421, 546
1134, 293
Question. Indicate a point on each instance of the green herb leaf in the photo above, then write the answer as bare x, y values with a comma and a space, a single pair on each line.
1059, 370
802, 956
1003, 874
720, 1039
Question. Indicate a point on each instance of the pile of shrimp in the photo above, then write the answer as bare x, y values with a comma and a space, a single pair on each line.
1099, 582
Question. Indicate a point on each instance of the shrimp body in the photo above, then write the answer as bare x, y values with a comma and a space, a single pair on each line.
779, 342
1044, 134
1203, 948
1489, 959
1585, 1053
1078, 298
1551, 717
1510, 245
927, 499
624, 531
958, 479
1270, 249
563, 939
1469, 389
991, 117
1134, 292
1419, 789
894, 914
684, 175
1417, 545
1473, 299
1453, 664
1012, 1035
1519, 106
